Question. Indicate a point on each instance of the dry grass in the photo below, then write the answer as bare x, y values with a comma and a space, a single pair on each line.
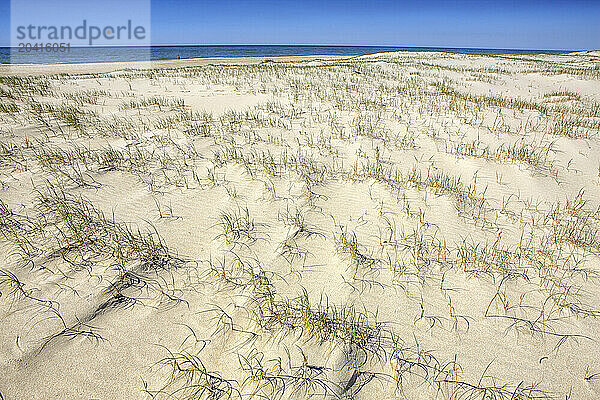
466, 230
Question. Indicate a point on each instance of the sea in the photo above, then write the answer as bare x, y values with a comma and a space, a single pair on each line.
49, 55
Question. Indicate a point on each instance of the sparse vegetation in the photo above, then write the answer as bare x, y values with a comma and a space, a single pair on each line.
359, 228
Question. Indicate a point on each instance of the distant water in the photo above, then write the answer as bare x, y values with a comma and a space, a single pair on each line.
106, 54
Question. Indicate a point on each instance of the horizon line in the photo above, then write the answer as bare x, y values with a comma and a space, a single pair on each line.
324, 45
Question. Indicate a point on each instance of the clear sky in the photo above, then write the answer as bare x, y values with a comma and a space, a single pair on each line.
530, 24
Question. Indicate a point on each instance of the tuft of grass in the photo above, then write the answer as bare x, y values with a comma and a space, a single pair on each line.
237, 225
190, 379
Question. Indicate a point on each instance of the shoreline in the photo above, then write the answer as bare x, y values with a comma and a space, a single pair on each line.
112, 66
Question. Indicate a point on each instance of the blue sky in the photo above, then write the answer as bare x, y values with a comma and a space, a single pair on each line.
456, 23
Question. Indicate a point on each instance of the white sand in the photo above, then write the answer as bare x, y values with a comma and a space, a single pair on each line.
433, 207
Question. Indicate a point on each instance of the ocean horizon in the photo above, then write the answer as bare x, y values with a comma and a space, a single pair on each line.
13, 55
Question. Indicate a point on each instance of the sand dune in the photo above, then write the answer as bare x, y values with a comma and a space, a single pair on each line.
400, 225
105, 67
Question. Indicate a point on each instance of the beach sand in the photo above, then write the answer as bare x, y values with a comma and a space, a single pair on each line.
403, 225
105, 67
